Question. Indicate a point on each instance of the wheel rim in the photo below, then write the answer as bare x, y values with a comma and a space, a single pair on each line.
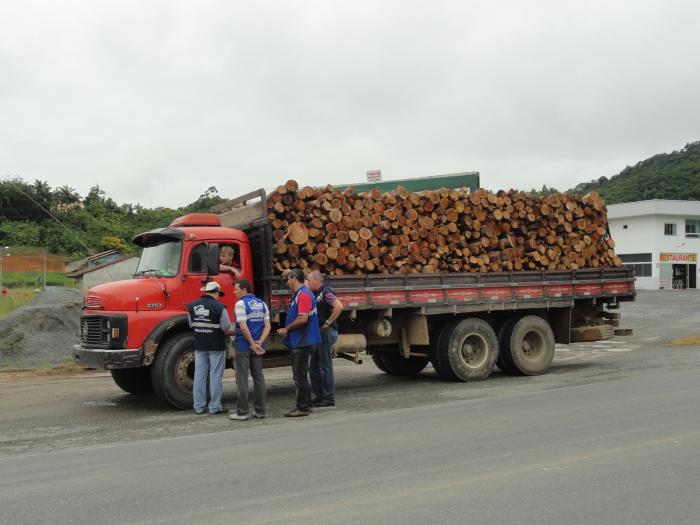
474, 352
184, 372
533, 345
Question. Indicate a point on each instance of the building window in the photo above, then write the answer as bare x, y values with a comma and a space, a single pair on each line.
670, 228
692, 227
639, 262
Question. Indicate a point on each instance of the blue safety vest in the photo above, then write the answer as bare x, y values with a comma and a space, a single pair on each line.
255, 312
309, 334
205, 313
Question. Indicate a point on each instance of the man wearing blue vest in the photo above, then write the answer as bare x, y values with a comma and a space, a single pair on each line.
252, 328
209, 320
301, 333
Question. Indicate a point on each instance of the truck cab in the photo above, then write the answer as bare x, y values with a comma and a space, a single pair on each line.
138, 328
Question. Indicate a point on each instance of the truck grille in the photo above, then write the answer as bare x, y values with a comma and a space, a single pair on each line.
94, 303
103, 331
93, 330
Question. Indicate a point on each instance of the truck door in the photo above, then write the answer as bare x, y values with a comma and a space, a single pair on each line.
195, 276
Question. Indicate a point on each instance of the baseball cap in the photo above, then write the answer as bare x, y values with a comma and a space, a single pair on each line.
211, 287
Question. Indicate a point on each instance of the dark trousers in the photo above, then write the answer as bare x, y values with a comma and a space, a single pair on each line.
249, 361
300, 372
321, 366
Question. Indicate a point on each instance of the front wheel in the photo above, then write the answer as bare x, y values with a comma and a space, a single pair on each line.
136, 381
172, 372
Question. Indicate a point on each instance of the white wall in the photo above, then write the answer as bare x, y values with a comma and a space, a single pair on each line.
114, 272
645, 234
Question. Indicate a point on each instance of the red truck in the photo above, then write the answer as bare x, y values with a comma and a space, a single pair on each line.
465, 324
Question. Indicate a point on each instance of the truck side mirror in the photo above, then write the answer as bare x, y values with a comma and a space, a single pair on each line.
213, 259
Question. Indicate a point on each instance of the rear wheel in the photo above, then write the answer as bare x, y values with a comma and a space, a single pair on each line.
395, 364
439, 332
135, 381
527, 347
172, 372
505, 361
467, 350
377, 358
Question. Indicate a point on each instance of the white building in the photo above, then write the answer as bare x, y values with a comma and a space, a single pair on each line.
115, 270
660, 239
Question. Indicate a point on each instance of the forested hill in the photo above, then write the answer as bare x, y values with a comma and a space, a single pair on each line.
35, 214
673, 175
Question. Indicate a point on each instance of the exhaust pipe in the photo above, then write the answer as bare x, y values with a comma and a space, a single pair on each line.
350, 347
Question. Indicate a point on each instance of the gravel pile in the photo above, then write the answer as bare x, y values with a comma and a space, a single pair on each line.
43, 332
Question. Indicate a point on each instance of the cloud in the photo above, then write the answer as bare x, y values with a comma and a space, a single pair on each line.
158, 101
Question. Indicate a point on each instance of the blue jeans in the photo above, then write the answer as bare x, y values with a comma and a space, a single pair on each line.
211, 364
321, 366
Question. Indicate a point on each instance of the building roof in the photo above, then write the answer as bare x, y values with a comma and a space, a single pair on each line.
654, 207
78, 273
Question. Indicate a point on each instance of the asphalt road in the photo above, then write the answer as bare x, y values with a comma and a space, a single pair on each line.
610, 435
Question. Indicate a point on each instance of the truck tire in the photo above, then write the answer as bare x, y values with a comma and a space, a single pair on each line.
527, 346
377, 358
135, 381
584, 334
505, 361
436, 337
467, 351
172, 372
397, 365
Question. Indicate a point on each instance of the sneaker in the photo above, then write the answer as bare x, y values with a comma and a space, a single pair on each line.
200, 412
296, 413
222, 410
316, 400
323, 403
259, 415
239, 417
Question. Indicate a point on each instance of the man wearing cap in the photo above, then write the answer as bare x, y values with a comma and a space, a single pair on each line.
209, 320
301, 333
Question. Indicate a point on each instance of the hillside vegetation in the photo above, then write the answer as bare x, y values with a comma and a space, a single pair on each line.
34, 214
673, 175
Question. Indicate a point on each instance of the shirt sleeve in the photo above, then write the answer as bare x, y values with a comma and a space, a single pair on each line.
329, 297
224, 321
189, 319
239, 312
304, 305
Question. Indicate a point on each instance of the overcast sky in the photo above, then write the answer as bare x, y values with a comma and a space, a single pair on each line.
155, 101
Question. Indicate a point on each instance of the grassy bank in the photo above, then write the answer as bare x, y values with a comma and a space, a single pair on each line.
15, 298
34, 279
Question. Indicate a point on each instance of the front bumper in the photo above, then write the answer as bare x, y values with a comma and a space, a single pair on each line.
102, 359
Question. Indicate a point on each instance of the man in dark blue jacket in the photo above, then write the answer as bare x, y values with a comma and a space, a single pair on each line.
301, 333
329, 308
209, 320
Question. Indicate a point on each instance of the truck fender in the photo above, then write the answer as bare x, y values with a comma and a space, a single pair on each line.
150, 344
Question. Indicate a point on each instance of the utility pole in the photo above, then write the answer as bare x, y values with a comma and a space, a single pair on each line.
44, 268
2, 256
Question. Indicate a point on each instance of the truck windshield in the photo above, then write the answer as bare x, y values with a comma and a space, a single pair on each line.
162, 260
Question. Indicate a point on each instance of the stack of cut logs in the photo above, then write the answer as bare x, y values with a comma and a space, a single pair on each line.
446, 230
